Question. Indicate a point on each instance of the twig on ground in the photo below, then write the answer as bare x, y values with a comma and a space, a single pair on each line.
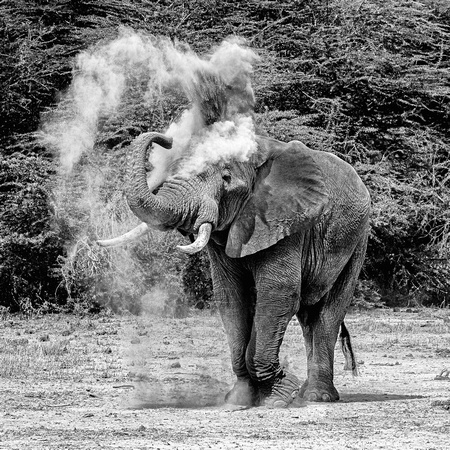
444, 375
61, 405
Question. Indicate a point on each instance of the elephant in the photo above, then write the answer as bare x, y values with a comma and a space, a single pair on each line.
286, 233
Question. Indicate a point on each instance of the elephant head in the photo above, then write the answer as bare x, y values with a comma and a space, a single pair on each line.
243, 206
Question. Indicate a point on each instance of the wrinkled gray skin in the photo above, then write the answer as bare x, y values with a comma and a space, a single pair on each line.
289, 234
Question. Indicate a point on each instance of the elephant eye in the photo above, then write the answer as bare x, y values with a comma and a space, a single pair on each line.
226, 177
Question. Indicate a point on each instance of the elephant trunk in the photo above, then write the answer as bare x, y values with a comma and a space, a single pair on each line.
161, 210
150, 208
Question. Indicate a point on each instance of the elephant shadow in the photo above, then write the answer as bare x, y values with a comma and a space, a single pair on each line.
193, 392
365, 397
217, 401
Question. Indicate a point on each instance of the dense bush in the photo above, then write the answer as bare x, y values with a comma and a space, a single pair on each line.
371, 84
368, 81
29, 243
197, 281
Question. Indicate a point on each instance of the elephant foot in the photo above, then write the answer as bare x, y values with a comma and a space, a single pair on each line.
243, 393
283, 392
319, 392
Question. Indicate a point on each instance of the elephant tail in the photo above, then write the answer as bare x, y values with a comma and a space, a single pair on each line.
347, 350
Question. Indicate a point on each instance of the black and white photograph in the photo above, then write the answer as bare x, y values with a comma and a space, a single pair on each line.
224, 225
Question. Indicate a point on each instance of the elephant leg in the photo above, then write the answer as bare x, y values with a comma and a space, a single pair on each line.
276, 303
320, 332
321, 323
237, 317
234, 295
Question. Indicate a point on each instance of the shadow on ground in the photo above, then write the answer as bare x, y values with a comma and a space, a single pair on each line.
374, 397
193, 391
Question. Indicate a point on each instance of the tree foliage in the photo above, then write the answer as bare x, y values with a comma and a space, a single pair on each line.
366, 80
29, 244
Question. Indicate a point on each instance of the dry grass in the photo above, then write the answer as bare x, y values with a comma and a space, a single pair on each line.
58, 348
70, 348
131, 382
423, 330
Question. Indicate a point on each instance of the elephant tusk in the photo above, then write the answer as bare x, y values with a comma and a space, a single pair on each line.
130, 236
204, 233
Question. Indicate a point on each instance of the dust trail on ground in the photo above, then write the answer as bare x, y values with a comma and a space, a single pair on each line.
176, 363
178, 390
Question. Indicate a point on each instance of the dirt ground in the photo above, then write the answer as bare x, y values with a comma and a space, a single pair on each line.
158, 383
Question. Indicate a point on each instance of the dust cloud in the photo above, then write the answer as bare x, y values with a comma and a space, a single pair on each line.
174, 363
218, 87
216, 125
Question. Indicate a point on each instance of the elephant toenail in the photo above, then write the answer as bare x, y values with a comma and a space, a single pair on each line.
279, 404
326, 398
312, 397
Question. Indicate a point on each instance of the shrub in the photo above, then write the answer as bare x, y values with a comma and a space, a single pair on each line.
29, 242
368, 81
197, 284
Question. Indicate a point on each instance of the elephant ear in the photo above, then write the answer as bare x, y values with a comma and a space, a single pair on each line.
289, 196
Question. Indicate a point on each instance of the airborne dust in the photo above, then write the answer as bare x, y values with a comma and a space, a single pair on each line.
216, 125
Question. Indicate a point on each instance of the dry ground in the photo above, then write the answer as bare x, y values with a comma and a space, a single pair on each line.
147, 382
